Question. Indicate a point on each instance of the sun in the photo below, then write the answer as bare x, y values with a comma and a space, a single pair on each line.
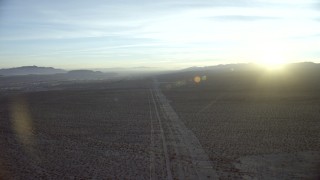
272, 62
271, 55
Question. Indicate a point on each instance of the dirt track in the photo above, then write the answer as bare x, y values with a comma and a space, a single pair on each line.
183, 154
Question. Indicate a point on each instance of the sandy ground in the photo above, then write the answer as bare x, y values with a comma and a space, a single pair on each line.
254, 136
141, 132
76, 134
117, 133
300, 165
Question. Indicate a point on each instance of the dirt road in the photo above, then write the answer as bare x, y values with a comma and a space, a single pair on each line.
174, 146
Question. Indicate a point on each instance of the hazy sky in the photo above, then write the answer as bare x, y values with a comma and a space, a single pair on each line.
164, 33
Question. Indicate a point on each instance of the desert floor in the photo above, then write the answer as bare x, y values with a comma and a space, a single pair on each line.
145, 131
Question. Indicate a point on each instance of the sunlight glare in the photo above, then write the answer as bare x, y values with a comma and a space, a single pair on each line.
272, 62
271, 55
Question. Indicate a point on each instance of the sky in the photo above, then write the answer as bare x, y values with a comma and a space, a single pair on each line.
168, 34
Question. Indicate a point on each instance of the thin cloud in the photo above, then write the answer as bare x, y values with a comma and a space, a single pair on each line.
242, 18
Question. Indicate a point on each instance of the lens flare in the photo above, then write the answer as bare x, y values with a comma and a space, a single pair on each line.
22, 122
197, 79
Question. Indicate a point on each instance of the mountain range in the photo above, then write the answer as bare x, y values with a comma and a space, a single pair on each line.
27, 70
35, 70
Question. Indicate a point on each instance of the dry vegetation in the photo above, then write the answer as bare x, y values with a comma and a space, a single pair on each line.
252, 133
76, 134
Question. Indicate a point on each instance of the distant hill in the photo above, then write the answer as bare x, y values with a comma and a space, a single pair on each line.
292, 77
88, 74
225, 67
302, 66
27, 70
131, 70
84, 72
